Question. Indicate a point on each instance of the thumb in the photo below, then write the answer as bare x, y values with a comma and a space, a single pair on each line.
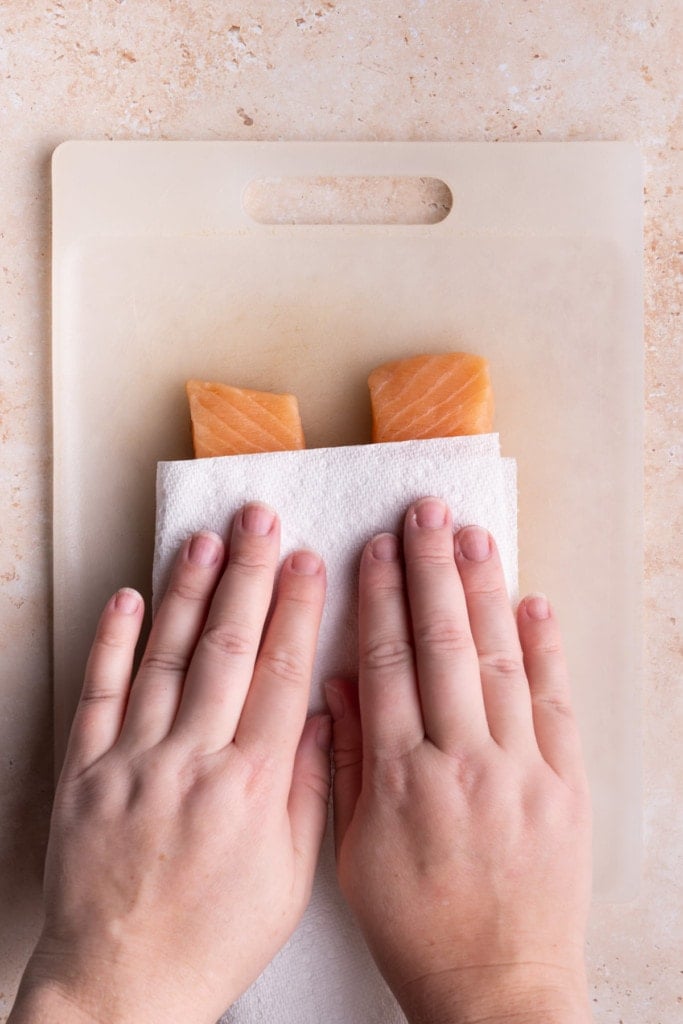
310, 790
342, 700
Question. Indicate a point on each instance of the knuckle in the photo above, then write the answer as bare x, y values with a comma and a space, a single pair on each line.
317, 784
466, 770
490, 587
380, 572
247, 561
383, 653
554, 703
195, 771
185, 588
390, 775
382, 579
549, 648
285, 664
501, 665
94, 694
111, 640
89, 791
228, 640
346, 757
432, 558
257, 772
165, 661
159, 774
442, 635
301, 597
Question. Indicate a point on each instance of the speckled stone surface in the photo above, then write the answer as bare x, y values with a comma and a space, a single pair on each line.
427, 69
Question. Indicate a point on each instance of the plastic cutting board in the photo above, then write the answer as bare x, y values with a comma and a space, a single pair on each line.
159, 275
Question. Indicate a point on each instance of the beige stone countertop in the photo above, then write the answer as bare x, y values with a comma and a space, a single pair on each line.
464, 70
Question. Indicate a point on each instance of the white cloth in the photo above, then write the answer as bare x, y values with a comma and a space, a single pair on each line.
333, 500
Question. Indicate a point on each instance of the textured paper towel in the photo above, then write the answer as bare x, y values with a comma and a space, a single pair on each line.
334, 500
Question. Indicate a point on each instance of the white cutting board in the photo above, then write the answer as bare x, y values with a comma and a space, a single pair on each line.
160, 275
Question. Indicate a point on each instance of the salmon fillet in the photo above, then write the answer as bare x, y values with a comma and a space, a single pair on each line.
431, 396
239, 421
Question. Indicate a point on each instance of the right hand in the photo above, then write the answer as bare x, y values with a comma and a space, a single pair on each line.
462, 815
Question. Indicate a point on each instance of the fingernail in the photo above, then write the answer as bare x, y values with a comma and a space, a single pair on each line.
203, 549
323, 736
431, 513
384, 547
305, 563
127, 601
257, 519
537, 606
475, 544
335, 702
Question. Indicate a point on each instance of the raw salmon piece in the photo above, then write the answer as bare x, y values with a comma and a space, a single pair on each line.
239, 421
431, 396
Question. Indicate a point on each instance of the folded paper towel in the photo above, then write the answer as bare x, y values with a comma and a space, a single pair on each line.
333, 500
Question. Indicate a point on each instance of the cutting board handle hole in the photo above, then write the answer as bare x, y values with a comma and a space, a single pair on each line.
347, 200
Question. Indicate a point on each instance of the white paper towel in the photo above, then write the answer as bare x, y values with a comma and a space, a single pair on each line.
333, 500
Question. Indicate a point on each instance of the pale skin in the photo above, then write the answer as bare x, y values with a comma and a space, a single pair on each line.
462, 818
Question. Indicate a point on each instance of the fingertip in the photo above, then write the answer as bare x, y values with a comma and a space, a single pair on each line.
126, 601
317, 731
428, 513
257, 518
535, 607
383, 547
306, 563
473, 544
342, 698
335, 701
381, 564
204, 548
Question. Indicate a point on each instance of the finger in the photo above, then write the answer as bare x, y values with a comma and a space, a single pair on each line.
221, 668
275, 707
389, 700
553, 716
98, 718
503, 680
347, 753
447, 666
177, 625
310, 793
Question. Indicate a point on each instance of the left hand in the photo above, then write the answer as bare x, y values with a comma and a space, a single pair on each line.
192, 804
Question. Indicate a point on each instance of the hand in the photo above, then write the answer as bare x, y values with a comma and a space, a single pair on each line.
191, 807
462, 818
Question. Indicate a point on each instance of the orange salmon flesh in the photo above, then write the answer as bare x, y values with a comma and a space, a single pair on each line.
431, 396
239, 421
